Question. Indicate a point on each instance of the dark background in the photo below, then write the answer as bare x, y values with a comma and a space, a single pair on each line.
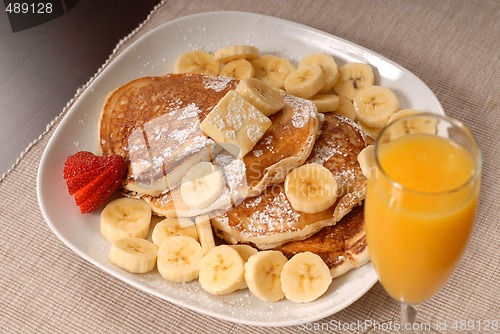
42, 67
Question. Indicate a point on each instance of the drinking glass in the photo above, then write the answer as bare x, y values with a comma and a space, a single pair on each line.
420, 205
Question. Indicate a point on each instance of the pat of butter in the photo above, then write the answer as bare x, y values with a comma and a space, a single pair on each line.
235, 124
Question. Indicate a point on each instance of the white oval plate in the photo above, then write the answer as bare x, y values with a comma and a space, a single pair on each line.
155, 54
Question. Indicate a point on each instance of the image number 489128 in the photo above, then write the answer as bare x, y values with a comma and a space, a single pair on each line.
27, 14
25, 7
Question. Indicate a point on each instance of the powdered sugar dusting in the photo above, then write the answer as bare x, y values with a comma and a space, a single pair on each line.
216, 83
258, 153
234, 170
275, 217
325, 153
303, 110
268, 142
165, 140
253, 203
346, 177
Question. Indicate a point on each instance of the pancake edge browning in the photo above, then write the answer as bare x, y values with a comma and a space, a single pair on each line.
342, 246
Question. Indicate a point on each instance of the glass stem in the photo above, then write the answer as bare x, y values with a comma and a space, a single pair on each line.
408, 317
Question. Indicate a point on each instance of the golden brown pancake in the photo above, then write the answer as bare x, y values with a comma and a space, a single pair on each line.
269, 220
284, 146
154, 123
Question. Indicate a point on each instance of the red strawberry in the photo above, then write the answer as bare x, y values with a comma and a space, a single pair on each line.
83, 167
92, 196
92, 179
81, 162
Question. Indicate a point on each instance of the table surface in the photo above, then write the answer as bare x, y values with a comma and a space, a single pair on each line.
452, 45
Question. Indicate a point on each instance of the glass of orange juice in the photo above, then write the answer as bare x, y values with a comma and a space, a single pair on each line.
420, 205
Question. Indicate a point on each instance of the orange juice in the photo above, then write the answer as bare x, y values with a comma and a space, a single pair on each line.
418, 228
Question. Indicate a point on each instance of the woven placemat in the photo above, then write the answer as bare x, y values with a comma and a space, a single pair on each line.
452, 45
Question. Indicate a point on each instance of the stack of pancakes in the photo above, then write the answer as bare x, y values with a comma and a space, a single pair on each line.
154, 122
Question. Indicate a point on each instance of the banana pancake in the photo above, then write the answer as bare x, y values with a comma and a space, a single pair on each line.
342, 246
284, 146
269, 220
154, 122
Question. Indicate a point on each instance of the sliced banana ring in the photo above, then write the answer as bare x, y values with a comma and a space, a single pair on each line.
272, 70
370, 131
125, 217
366, 160
305, 277
410, 125
262, 275
202, 185
197, 61
328, 66
354, 77
171, 227
346, 108
311, 188
306, 81
235, 124
221, 270
326, 102
239, 69
374, 106
403, 113
232, 52
179, 259
265, 98
135, 255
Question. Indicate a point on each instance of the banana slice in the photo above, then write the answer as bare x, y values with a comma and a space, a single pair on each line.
205, 233
366, 160
272, 70
306, 81
374, 106
179, 259
411, 125
232, 52
403, 113
202, 185
325, 102
311, 188
262, 274
239, 69
125, 217
221, 270
305, 277
135, 255
245, 252
346, 108
171, 227
372, 132
354, 77
328, 66
197, 61
235, 124
262, 96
